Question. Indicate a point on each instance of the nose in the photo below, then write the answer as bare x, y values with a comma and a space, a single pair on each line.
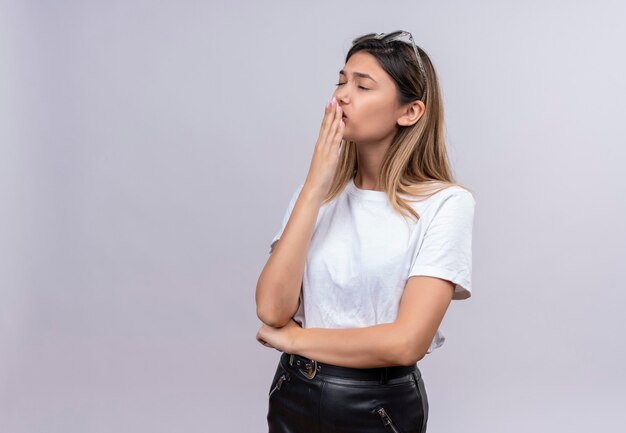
340, 94
341, 98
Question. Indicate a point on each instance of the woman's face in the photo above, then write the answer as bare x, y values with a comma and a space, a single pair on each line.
368, 102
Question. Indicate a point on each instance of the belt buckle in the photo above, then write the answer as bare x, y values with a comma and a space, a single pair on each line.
311, 367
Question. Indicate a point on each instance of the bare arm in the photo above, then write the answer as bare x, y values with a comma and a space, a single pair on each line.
278, 286
424, 303
366, 347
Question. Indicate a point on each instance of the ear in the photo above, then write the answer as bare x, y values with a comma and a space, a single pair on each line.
412, 113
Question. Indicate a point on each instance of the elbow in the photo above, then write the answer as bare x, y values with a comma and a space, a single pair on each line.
267, 311
271, 319
410, 353
272, 309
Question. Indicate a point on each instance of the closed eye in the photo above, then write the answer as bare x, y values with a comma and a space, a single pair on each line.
360, 87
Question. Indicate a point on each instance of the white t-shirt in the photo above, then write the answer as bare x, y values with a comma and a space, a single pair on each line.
362, 253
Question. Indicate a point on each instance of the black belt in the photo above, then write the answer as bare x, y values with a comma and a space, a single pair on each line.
382, 374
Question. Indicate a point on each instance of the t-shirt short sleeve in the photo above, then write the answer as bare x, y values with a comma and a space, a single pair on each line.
292, 203
446, 249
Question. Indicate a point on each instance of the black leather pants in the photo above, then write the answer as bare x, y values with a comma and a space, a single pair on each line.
306, 396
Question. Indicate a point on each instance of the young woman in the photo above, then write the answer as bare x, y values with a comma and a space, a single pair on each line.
373, 247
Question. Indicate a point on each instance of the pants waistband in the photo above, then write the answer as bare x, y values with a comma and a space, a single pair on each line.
310, 368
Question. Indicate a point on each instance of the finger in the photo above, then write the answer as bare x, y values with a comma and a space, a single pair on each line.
263, 342
327, 129
339, 133
335, 125
328, 111
337, 145
330, 128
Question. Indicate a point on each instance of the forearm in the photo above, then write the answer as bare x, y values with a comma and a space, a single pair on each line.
278, 286
368, 347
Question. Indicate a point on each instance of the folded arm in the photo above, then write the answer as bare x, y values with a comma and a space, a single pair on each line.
405, 341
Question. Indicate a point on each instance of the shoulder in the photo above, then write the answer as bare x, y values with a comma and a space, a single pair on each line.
459, 194
438, 195
455, 201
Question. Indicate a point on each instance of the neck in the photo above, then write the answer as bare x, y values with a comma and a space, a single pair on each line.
369, 160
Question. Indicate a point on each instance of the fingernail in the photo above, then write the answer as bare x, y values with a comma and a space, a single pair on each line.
334, 101
327, 103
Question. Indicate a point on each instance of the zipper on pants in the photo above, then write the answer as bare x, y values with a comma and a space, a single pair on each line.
387, 419
279, 383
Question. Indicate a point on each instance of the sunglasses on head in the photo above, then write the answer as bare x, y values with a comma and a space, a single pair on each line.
398, 35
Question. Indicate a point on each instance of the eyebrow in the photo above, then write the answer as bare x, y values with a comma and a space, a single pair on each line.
358, 74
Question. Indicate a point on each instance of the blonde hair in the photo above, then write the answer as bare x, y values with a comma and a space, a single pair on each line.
416, 163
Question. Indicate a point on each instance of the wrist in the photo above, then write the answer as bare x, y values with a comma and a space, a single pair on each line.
312, 194
295, 341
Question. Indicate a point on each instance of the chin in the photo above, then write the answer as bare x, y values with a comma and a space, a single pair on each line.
347, 135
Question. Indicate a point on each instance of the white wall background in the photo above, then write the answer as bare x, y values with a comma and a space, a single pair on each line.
147, 154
